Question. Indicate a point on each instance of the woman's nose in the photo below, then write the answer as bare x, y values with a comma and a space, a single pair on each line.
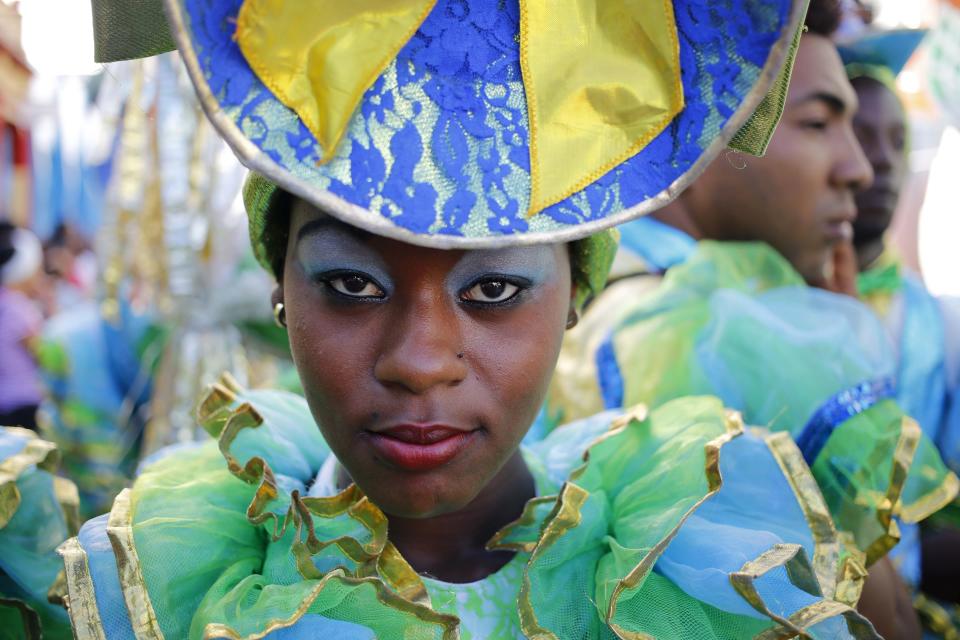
424, 347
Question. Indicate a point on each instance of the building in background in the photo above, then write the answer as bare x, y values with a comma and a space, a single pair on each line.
15, 183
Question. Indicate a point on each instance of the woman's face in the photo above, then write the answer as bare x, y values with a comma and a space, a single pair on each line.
424, 368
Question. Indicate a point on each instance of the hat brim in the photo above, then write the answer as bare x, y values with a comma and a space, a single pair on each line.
389, 176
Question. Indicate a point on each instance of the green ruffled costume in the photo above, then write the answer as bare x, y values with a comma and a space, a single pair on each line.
38, 511
735, 320
678, 525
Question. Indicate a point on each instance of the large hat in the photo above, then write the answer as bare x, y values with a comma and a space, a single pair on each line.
890, 50
480, 123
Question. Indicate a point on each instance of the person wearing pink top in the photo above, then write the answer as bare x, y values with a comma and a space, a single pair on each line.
20, 321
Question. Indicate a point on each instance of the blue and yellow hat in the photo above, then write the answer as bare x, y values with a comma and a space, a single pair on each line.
475, 123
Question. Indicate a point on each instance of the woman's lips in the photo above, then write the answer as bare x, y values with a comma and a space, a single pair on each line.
414, 447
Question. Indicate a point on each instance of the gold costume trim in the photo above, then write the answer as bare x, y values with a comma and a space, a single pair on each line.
135, 594
826, 553
527, 518
853, 572
933, 501
811, 615
935, 617
379, 562
903, 455
69, 499
564, 516
793, 559
31, 620
36, 452
80, 599
733, 425
448, 623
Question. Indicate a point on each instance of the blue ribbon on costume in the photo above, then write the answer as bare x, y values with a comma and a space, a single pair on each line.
609, 377
837, 410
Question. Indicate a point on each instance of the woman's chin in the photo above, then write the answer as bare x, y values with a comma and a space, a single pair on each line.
417, 503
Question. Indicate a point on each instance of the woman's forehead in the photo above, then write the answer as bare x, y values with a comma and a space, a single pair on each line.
310, 223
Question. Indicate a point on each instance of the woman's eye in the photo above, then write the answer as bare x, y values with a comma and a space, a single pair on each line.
355, 286
493, 290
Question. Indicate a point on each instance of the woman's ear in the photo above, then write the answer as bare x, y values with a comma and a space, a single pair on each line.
572, 316
279, 312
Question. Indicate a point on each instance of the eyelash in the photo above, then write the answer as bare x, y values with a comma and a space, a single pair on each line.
327, 279
522, 285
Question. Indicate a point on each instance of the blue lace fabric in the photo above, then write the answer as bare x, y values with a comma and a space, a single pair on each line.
440, 143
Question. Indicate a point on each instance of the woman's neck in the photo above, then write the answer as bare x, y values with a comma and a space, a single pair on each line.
452, 547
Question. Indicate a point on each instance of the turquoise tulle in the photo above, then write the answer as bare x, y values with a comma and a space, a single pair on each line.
41, 516
755, 510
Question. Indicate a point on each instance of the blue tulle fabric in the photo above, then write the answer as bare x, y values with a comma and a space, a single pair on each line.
440, 143
922, 388
754, 511
837, 336
106, 581
658, 245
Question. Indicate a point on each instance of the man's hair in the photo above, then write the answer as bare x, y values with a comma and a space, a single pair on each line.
823, 17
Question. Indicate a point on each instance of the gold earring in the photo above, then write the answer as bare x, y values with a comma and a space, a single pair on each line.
572, 319
280, 315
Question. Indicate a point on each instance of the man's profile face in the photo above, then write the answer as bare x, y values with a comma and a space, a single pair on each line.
799, 197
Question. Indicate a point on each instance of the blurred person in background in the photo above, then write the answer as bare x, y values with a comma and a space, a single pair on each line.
71, 264
925, 330
21, 321
715, 296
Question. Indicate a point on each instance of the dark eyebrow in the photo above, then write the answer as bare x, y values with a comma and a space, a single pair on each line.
327, 222
835, 103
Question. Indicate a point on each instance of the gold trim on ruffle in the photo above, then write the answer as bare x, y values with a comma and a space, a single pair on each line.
215, 406
135, 594
734, 427
936, 618
31, 620
528, 518
903, 454
826, 554
378, 561
811, 615
793, 559
564, 516
933, 501
68, 497
36, 452
80, 599
215, 631
853, 571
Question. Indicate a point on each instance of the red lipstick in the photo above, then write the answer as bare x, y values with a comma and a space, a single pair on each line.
419, 447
